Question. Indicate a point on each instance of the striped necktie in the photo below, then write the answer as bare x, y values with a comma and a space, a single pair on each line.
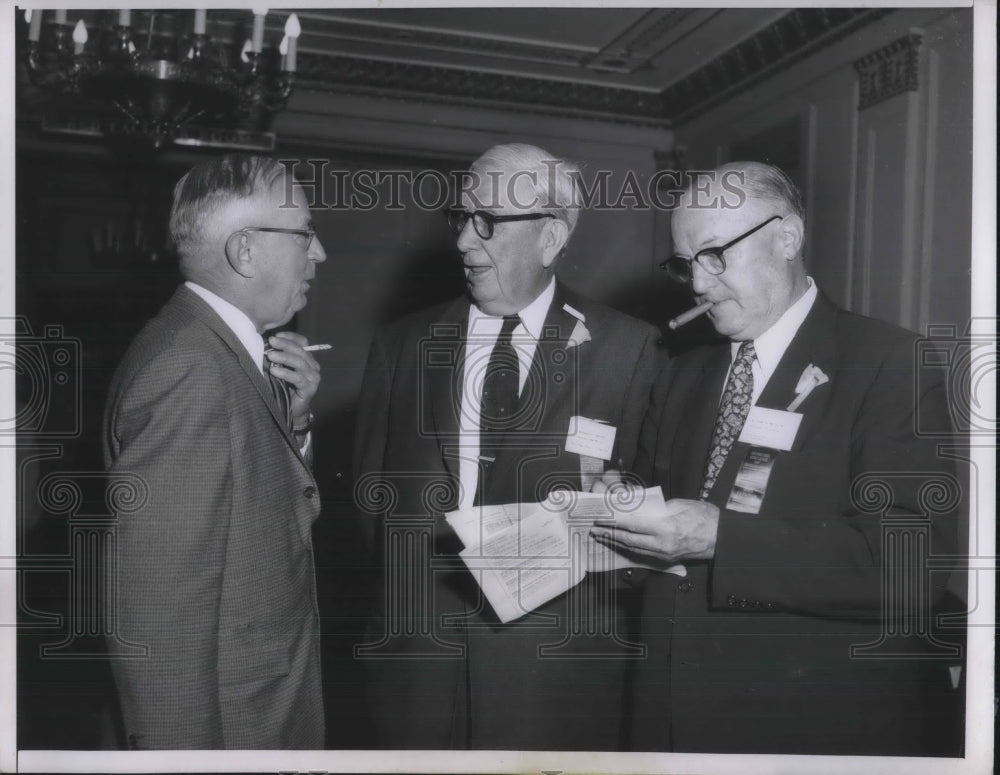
280, 391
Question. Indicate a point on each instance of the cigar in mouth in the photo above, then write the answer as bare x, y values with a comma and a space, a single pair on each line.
690, 315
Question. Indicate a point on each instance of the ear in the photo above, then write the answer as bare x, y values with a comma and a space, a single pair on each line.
554, 236
790, 236
238, 254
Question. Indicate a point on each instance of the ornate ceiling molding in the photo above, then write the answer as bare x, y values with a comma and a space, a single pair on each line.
452, 86
797, 34
793, 37
891, 70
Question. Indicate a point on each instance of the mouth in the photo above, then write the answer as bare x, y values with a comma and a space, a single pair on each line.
476, 271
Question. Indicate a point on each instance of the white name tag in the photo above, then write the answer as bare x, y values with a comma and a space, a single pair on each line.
771, 428
589, 437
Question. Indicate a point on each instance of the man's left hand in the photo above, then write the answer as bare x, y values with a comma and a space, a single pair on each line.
685, 532
291, 363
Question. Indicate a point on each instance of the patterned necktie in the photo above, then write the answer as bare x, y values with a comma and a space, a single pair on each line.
279, 389
499, 402
733, 411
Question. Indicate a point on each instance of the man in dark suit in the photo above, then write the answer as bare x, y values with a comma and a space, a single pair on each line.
802, 625
436, 433
214, 573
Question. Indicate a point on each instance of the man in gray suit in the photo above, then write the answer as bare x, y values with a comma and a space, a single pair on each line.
214, 573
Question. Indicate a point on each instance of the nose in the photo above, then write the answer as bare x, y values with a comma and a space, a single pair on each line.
316, 251
702, 280
468, 237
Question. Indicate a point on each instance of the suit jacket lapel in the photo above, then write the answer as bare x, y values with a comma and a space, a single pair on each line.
549, 384
442, 373
697, 423
811, 344
198, 308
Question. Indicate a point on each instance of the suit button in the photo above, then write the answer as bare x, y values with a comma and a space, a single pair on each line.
731, 600
685, 586
308, 492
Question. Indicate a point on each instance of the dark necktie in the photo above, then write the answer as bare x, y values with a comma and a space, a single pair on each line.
733, 411
498, 408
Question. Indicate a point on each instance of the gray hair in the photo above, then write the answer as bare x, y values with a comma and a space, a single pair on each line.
554, 181
206, 188
767, 183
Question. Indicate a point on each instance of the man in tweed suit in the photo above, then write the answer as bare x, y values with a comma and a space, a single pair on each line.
215, 573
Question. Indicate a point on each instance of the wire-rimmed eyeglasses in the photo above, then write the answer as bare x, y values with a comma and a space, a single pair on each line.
709, 259
306, 236
484, 221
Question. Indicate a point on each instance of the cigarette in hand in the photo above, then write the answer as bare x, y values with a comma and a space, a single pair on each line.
690, 315
316, 347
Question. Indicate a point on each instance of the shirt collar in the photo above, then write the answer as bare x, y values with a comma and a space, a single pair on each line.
771, 345
238, 322
532, 317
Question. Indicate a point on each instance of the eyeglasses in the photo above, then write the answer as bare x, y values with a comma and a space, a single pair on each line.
306, 236
709, 259
483, 221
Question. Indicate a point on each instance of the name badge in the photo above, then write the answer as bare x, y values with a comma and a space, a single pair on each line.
590, 437
771, 428
751, 481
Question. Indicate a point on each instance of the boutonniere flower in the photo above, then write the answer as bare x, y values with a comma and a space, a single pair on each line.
579, 336
812, 377
580, 333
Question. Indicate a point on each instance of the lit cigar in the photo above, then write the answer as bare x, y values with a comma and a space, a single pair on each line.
317, 347
690, 315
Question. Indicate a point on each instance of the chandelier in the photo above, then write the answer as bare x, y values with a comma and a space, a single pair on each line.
156, 82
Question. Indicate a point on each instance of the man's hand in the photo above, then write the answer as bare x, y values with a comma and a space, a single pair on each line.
291, 363
686, 532
610, 478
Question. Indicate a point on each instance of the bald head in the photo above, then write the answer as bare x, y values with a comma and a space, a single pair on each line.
533, 180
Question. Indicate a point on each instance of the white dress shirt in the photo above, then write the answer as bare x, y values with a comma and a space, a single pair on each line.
483, 331
238, 322
244, 330
771, 345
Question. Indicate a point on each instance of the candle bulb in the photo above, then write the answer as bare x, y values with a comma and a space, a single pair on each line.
60, 17
200, 16
258, 29
79, 37
283, 50
124, 18
292, 29
245, 51
34, 19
